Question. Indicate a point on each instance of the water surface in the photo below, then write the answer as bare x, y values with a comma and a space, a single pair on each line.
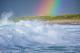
38, 37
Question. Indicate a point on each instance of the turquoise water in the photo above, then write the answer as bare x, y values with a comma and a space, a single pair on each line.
38, 37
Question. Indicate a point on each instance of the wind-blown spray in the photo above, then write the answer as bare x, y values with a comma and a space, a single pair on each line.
5, 17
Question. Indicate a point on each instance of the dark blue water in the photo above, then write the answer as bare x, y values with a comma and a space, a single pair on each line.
38, 37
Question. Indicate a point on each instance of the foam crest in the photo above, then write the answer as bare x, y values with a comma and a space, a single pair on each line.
24, 32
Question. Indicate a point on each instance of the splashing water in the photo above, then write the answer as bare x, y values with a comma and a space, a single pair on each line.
36, 36
5, 17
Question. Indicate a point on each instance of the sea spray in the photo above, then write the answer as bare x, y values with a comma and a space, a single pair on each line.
37, 31
5, 16
35, 36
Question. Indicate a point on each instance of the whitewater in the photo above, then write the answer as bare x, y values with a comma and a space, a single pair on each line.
38, 37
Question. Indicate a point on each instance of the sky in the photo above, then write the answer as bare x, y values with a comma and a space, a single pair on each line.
29, 7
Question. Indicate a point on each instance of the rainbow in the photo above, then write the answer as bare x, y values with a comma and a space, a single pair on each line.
48, 8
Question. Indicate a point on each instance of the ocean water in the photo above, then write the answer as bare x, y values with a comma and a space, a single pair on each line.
38, 37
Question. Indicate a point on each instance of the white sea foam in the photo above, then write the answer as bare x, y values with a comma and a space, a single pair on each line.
24, 32
38, 32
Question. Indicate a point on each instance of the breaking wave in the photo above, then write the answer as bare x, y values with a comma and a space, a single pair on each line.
36, 36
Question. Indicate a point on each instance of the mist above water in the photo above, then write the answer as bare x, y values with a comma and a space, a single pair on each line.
35, 32
5, 16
